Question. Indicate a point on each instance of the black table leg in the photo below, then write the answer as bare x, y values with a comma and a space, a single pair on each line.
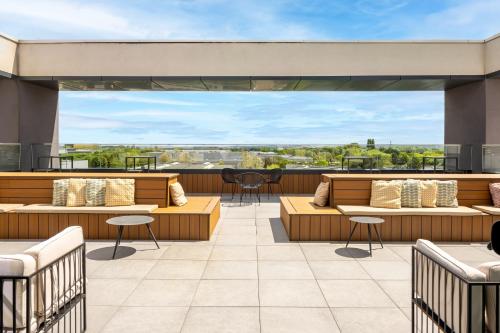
378, 235
352, 232
151, 235
370, 238
118, 239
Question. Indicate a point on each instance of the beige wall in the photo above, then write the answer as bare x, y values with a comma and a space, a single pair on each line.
492, 55
7, 55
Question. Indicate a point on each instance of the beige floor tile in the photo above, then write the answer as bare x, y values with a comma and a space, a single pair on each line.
326, 252
297, 320
126, 250
402, 251
163, 293
387, 270
147, 319
291, 293
187, 252
231, 269
234, 252
235, 222
235, 229
361, 252
354, 293
227, 293
398, 291
372, 320
177, 269
240, 213
98, 316
277, 236
284, 270
15, 247
407, 312
109, 291
288, 253
222, 320
123, 269
236, 240
338, 270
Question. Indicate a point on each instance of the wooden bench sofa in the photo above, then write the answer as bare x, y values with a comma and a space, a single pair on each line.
38, 219
350, 195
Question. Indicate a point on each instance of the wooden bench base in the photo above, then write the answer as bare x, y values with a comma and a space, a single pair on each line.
303, 222
195, 221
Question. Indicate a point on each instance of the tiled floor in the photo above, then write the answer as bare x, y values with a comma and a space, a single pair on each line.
250, 278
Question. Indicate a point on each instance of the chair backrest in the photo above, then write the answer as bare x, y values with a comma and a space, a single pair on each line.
495, 237
250, 179
275, 175
227, 175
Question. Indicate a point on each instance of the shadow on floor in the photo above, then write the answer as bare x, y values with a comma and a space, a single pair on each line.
352, 252
106, 253
279, 233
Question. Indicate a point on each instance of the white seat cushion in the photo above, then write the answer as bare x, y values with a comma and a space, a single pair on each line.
4, 208
68, 271
488, 209
443, 292
492, 272
367, 210
16, 265
47, 208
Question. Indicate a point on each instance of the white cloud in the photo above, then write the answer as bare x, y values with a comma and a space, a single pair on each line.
129, 97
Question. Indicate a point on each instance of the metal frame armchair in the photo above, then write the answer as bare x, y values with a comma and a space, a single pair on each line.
228, 177
274, 177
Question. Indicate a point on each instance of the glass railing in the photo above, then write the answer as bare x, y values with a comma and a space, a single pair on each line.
335, 157
491, 158
10, 156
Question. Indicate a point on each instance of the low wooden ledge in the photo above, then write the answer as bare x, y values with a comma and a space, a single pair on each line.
56, 175
194, 221
304, 222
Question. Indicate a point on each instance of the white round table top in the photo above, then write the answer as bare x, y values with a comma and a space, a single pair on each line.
366, 219
130, 220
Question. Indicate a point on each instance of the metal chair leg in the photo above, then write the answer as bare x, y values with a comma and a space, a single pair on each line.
352, 233
258, 195
281, 189
233, 190
118, 239
222, 189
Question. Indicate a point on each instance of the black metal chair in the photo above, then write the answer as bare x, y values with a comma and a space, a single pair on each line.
274, 177
250, 182
228, 177
494, 244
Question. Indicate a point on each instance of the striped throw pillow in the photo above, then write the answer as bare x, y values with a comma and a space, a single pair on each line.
495, 194
429, 193
447, 193
76, 192
386, 194
95, 192
119, 192
411, 194
60, 192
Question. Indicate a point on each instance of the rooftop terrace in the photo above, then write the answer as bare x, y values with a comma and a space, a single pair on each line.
250, 278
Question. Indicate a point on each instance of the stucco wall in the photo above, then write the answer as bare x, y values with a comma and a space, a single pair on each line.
8, 49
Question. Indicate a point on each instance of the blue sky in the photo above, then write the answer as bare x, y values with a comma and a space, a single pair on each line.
322, 117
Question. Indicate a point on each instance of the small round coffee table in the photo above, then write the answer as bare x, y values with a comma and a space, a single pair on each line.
369, 221
129, 220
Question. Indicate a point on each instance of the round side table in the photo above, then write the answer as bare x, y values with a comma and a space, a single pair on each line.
369, 221
122, 221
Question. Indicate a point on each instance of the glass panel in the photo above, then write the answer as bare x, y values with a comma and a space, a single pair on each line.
491, 158
11, 156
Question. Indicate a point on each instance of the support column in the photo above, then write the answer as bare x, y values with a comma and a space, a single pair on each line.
472, 117
29, 114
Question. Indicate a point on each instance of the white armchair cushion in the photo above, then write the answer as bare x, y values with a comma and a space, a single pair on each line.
448, 290
492, 272
16, 265
66, 287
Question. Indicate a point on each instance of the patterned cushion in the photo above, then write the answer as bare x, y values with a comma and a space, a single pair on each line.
386, 194
76, 192
411, 194
95, 192
119, 192
177, 193
447, 193
60, 192
429, 193
322, 193
495, 194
